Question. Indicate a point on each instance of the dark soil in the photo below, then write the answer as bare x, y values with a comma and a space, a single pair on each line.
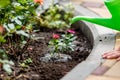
38, 70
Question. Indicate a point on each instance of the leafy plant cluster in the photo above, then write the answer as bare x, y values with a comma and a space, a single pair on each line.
17, 18
64, 43
57, 16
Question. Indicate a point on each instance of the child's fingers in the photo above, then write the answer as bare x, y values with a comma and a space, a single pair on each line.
107, 54
118, 59
114, 55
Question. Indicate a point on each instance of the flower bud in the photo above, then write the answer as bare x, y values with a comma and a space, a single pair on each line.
55, 36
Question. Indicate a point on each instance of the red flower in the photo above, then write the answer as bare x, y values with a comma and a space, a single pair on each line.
71, 31
55, 36
39, 1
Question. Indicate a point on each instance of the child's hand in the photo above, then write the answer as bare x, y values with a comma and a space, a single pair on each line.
115, 54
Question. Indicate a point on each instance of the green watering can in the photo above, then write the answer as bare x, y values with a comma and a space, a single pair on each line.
113, 22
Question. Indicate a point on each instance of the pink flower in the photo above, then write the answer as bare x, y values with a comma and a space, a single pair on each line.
71, 31
39, 1
55, 36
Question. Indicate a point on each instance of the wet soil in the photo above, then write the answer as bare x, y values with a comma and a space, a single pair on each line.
39, 70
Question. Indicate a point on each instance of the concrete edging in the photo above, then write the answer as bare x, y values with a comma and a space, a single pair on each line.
103, 39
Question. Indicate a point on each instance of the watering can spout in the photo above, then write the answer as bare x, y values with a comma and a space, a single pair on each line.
106, 22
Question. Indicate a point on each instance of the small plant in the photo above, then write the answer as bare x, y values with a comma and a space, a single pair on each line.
54, 44
65, 43
26, 62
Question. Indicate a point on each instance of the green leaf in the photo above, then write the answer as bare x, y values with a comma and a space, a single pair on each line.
2, 40
3, 54
11, 26
23, 65
4, 3
11, 63
18, 27
22, 1
18, 21
2, 51
21, 32
19, 7
20, 17
7, 68
6, 27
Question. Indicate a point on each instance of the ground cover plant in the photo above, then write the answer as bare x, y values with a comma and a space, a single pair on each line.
57, 16
38, 46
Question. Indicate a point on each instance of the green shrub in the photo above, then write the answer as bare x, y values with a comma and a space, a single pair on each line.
17, 18
57, 16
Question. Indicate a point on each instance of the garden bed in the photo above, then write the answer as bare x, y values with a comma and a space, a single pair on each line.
39, 70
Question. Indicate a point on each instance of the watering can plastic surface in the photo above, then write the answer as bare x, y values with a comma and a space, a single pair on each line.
113, 22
